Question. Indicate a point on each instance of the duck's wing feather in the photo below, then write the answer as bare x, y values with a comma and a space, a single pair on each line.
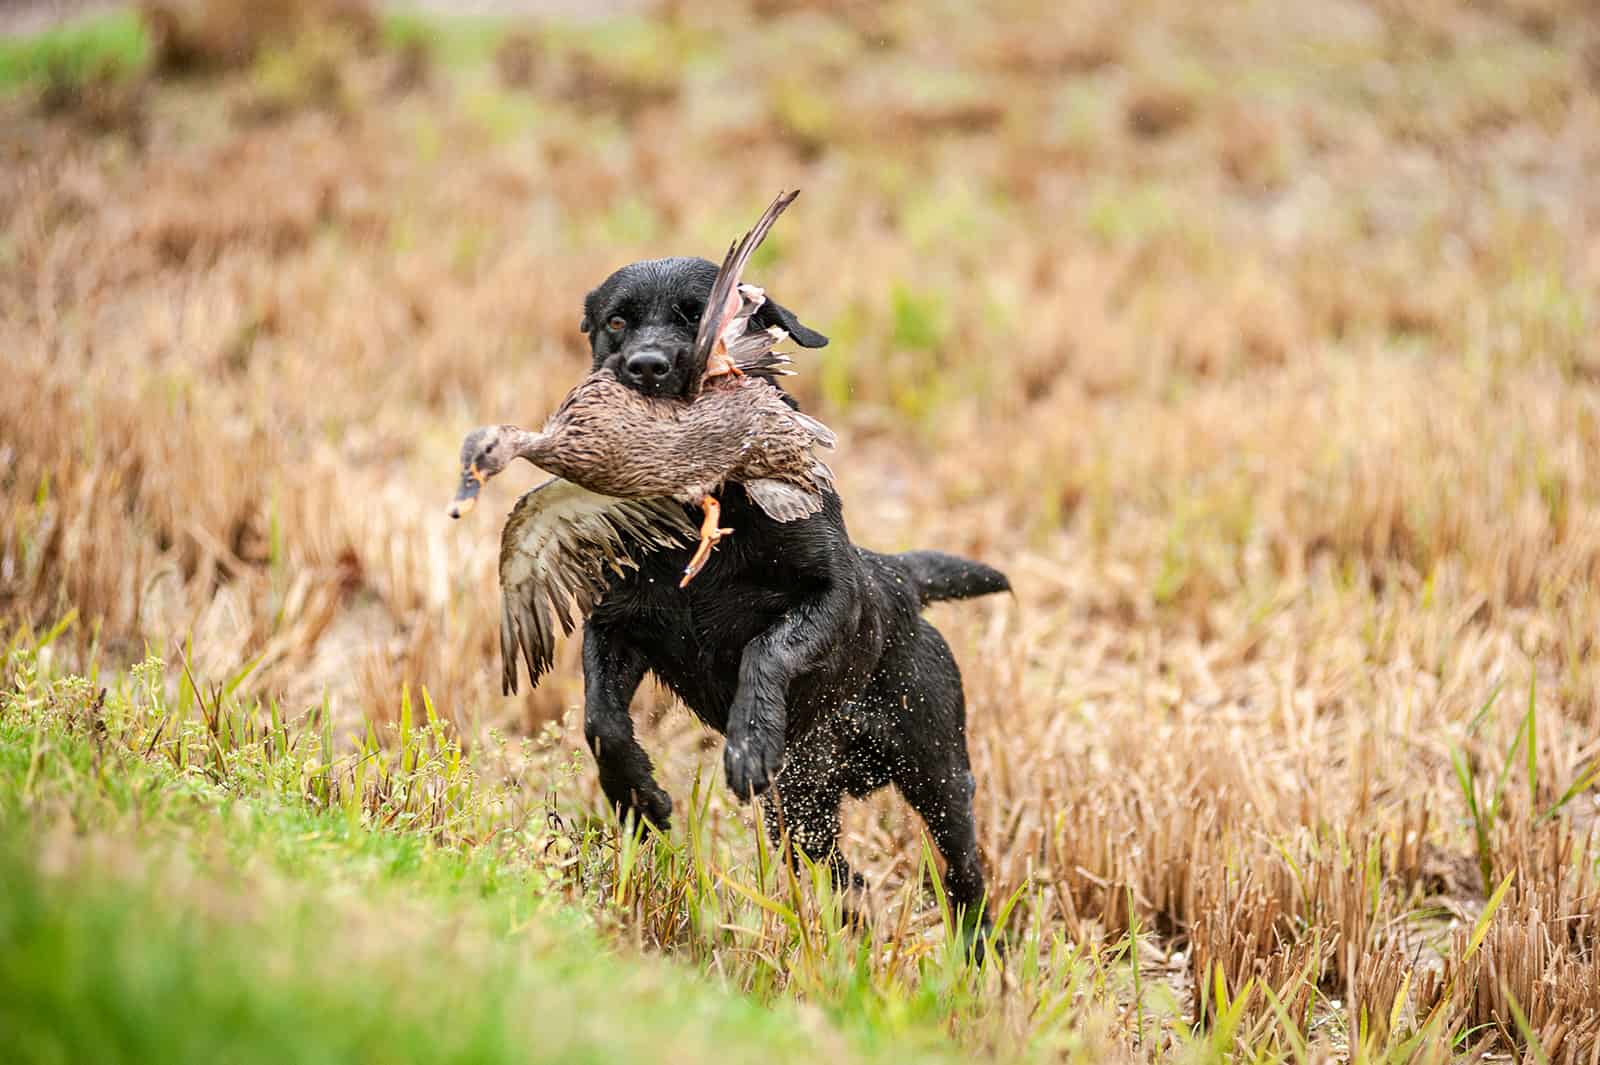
781, 500
726, 300
557, 548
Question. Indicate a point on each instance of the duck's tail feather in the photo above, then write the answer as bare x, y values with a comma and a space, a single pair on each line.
753, 354
821, 435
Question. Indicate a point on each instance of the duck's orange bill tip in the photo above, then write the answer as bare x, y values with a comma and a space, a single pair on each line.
467, 495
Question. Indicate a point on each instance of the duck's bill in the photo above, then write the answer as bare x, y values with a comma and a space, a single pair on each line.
467, 495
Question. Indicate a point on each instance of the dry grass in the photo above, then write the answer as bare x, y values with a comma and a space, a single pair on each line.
1258, 346
194, 36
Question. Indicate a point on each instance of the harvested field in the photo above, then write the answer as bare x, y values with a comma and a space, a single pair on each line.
1260, 344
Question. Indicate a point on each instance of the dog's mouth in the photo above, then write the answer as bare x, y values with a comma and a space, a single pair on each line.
647, 388
672, 383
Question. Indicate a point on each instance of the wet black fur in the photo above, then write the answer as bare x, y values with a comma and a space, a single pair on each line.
807, 652
660, 301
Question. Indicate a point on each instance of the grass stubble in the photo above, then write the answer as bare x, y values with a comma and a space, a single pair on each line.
1258, 346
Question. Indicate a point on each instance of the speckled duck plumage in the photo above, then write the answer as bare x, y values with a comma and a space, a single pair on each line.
618, 442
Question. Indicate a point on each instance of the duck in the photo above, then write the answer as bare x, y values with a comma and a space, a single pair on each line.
625, 464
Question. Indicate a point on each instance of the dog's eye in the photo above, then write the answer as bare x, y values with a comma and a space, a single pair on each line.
616, 324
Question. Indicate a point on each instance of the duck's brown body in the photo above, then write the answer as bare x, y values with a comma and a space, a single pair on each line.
615, 441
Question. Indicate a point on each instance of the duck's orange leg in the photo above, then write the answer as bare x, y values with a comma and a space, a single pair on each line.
710, 534
719, 362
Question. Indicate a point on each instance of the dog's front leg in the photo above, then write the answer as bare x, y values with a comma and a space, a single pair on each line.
612, 670
789, 648
757, 719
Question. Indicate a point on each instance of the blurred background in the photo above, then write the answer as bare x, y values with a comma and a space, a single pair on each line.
1257, 341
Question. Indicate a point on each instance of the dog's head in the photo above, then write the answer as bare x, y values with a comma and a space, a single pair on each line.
642, 321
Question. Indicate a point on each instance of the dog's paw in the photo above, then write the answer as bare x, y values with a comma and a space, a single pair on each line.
976, 935
752, 764
650, 803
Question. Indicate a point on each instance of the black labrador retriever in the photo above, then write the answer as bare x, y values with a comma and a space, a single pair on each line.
807, 652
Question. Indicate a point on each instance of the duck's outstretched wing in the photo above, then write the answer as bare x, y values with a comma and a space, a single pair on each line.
728, 301
559, 545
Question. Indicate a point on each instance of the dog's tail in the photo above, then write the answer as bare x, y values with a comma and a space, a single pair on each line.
937, 576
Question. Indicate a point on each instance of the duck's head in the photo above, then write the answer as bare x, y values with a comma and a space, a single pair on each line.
484, 453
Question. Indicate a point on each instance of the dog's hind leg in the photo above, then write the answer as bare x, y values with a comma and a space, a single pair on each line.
945, 804
931, 768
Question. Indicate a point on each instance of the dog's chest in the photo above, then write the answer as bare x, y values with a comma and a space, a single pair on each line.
722, 609
695, 637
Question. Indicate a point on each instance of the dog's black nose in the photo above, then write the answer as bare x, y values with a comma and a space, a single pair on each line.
647, 368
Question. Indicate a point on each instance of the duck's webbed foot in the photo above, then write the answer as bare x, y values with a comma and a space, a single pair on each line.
710, 535
719, 363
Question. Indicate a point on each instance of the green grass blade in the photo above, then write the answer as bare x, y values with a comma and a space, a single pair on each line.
1531, 725
1529, 1036
242, 675
1483, 711
57, 630
1486, 918
784, 913
1585, 780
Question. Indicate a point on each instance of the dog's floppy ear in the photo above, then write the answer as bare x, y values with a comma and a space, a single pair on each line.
776, 314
